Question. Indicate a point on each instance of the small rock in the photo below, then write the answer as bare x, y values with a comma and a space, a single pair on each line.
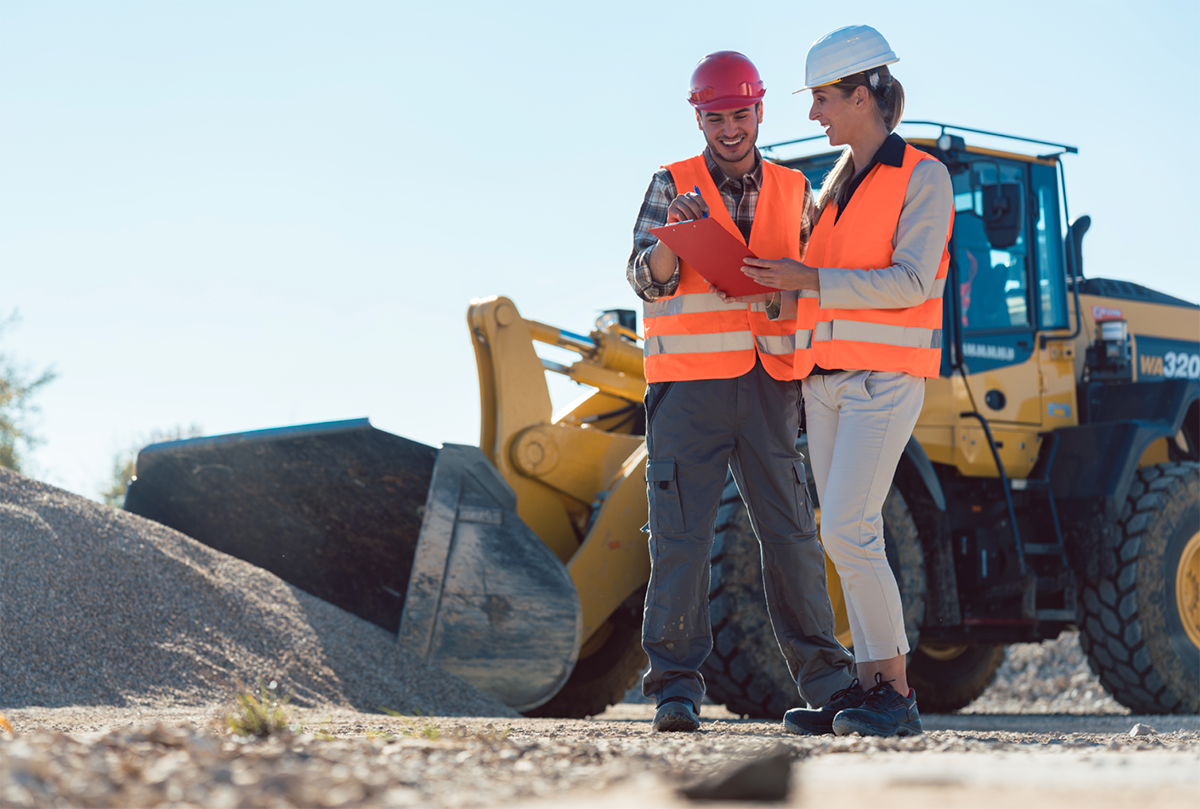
1142, 730
766, 778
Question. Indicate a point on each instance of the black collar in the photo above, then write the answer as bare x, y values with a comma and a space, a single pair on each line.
890, 153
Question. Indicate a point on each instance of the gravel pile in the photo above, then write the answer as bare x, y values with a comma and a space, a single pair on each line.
102, 607
1051, 677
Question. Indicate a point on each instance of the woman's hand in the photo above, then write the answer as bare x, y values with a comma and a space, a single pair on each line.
759, 298
782, 273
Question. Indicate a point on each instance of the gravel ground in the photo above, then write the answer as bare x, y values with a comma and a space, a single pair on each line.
1052, 677
351, 759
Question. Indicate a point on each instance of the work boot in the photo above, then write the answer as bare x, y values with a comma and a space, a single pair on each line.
818, 721
676, 714
884, 712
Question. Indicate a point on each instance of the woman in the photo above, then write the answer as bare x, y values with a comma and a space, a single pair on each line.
868, 335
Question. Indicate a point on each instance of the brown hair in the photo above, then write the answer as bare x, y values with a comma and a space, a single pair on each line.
888, 94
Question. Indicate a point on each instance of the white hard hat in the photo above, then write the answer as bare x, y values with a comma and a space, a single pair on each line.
843, 53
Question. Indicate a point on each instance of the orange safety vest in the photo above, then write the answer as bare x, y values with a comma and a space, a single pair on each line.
694, 335
907, 339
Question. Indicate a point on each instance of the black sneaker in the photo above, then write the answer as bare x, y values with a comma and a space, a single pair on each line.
818, 721
883, 713
676, 714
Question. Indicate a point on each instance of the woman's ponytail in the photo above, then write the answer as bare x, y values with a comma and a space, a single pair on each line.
891, 105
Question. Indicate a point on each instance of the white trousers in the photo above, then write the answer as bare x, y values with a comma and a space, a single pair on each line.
858, 423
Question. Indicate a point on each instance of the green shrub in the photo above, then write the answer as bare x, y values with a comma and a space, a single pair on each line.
261, 715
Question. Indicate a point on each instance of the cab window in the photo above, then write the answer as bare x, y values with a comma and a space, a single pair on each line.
1051, 276
990, 246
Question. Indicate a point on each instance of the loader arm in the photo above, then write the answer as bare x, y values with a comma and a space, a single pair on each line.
579, 475
504, 564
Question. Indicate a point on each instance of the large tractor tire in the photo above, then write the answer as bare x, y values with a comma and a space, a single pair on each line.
947, 678
746, 671
610, 663
1141, 627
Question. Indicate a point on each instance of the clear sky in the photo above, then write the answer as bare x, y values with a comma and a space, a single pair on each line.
254, 214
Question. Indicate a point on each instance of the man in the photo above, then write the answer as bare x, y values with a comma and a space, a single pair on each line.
721, 392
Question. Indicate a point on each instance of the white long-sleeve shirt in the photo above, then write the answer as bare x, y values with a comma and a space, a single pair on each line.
918, 245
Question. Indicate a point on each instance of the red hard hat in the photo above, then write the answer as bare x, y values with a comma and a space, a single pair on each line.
725, 80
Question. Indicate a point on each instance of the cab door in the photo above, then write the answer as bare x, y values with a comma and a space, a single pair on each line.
1056, 356
996, 311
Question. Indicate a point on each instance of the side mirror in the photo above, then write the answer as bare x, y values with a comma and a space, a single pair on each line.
1075, 235
1002, 214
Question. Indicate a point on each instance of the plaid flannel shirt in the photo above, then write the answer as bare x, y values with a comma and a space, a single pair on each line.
740, 198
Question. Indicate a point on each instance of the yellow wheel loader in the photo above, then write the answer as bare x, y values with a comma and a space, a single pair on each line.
1051, 482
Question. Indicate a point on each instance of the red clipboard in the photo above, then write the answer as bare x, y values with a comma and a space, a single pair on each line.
713, 252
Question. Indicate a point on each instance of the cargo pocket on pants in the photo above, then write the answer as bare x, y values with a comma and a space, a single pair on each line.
806, 520
666, 511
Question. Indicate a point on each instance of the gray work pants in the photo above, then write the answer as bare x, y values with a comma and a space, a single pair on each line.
694, 431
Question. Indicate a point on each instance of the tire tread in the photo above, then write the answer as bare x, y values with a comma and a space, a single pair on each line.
1111, 610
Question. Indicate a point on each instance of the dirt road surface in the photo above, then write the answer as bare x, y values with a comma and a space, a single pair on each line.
182, 757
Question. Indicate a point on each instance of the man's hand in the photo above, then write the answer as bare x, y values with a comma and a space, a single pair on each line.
686, 206
783, 273
683, 207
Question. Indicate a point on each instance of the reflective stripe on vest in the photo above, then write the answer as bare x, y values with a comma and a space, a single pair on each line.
699, 343
883, 333
693, 334
907, 339
688, 305
781, 344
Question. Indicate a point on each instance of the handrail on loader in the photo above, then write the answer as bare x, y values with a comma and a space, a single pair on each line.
770, 147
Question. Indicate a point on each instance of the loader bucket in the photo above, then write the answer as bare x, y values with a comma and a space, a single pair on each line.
488, 600
332, 508
423, 542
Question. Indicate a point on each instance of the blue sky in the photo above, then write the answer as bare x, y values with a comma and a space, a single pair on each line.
247, 215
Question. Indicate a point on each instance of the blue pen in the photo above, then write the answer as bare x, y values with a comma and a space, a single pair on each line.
696, 188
